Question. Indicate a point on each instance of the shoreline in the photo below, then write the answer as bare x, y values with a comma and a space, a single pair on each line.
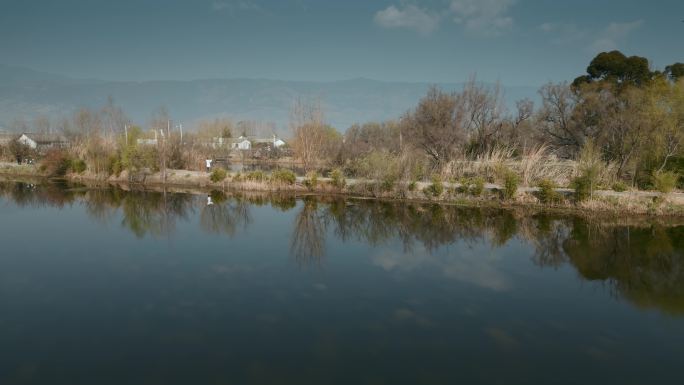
606, 203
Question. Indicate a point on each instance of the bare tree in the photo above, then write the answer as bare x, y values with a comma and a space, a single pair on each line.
41, 124
436, 125
308, 133
556, 120
87, 122
484, 111
113, 118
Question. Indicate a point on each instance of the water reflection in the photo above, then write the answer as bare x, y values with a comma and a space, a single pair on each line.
640, 262
223, 215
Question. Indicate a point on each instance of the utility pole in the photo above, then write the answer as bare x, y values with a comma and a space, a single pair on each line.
181, 132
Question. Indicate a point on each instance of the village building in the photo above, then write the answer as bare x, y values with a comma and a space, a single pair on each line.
41, 141
241, 143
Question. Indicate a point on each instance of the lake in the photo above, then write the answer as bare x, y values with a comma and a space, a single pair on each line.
106, 286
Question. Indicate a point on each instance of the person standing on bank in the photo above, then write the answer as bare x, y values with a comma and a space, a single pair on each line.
209, 165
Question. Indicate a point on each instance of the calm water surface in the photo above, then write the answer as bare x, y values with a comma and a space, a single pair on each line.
115, 287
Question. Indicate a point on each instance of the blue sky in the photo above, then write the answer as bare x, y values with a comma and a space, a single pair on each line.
519, 42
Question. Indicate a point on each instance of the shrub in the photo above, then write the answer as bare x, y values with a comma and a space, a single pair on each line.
583, 188
78, 166
586, 182
412, 186
284, 176
476, 186
114, 166
436, 188
510, 187
547, 192
311, 180
619, 186
218, 175
337, 177
388, 182
55, 163
665, 181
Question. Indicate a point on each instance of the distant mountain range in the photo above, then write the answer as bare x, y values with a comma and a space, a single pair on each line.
25, 93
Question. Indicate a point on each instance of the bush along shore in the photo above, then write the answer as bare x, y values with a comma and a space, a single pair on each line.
504, 191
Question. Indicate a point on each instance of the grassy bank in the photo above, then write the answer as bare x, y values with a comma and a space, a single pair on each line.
474, 192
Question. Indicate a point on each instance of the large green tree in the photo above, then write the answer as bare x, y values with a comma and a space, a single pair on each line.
614, 67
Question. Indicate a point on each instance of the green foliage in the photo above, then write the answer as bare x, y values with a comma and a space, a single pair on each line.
388, 182
114, 166
436, 188
590, 164
547, 192
476, 186
619, 186
311, 181
412, 186
284, 176
337, 178
583, 188
665, 181
615, 67
135, 158
78, 166
218, 175
510, 187
256, 176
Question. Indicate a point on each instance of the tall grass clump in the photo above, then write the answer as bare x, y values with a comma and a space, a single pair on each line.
337, 179
255, 176
311, 181
510, 185
547, 193
486, 164
284, 176
436, 188
591, 170
476, 186
218, 175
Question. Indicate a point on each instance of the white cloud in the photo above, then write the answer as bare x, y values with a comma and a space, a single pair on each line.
410, 17
563, 33
610, 38
233, 6
485, 17
477, 265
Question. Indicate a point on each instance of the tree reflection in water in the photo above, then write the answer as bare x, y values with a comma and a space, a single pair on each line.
641, 262
308, 234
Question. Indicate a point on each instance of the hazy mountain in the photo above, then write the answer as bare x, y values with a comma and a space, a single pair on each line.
25, 93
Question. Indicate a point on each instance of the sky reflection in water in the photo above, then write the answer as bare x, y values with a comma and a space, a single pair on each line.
111, 287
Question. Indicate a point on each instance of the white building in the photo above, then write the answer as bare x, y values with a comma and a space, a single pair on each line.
34, 141
242, 143
277, 143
